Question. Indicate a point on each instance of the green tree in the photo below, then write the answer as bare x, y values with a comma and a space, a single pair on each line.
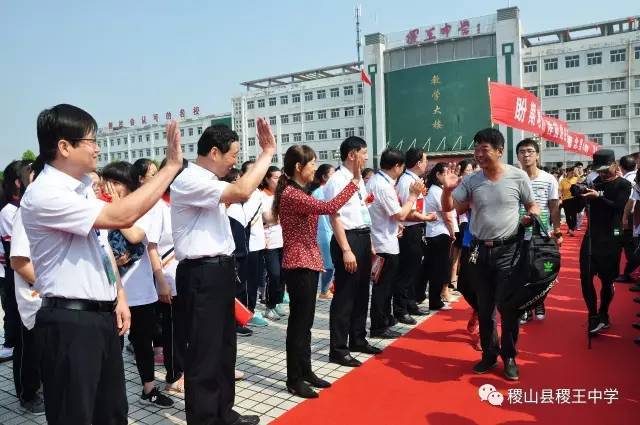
28, 155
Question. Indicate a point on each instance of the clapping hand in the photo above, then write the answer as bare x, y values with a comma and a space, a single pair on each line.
417, 187
265, 137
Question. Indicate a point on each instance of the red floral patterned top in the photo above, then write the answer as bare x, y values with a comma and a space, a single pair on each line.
299, 220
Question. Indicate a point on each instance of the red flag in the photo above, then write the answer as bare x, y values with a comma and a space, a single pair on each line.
364, 77
515, 107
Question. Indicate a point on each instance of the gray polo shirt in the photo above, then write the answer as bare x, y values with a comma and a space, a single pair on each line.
495, 205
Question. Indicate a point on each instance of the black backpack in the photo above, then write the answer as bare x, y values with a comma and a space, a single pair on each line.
536, 264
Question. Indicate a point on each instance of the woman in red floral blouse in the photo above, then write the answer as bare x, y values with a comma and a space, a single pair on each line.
301, 259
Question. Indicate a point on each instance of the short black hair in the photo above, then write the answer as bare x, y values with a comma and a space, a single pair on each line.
528, 142
628, 163
122, 172
11, 173
390, 158
578, 164
432, 176
413, 156
62, 122
216, 136
232, 175
245, 166
349, 144
491, 136
141, 167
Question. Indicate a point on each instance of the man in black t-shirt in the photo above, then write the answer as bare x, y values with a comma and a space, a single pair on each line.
606, 199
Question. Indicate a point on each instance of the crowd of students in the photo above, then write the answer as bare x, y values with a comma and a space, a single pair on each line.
161, 253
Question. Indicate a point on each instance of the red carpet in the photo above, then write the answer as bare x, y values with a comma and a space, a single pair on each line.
425, 377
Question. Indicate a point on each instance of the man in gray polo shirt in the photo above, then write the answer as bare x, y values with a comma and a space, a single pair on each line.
494, 195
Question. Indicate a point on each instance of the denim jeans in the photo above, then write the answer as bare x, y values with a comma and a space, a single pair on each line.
325, 280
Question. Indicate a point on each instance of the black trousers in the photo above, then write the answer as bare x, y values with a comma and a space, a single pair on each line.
82, 369
12, 322
143, 327
173, 340
491, 277
437, 267
381, 292
465, 280
348, 312
206, 292
629, 243
303, 286
605, 263
255, 275
409, 270
26, 365
572, 207
275, 284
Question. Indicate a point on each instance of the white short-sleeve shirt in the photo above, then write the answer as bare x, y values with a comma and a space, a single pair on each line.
433, 204
7, 217
59, 212
384, 228
27, 298
253, 211
354, 214
198, 218
404, 182
165, 244
272, 233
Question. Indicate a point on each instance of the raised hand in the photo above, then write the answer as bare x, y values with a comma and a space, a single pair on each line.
265, 136
174, 150
356, 168
450, 180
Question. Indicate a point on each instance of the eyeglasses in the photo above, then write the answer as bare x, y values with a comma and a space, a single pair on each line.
92, 141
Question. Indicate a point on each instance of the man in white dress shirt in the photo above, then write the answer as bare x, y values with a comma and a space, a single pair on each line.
84, 309
206, 275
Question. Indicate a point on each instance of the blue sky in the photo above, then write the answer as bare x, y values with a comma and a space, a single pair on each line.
122, 59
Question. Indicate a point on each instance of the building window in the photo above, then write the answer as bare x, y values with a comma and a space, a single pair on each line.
636, 52
572, 61
308, 96
361, 131
251, 141
118, 141
618, 55
297, 137
553, 113
618, 111
335, 113
284, 100
157, 151
139, 138
251, 123
274, 160
618, 83
156, 136
260, 103
199, 130
164, 135
295, 98
323, 155
296, 117
285, 138
182, 132
594, 86
573, 114
551, 90
322, 134
272, 120
533, 90
147, 137
360, 110
348, 90
359, 85
308, 136
618, 138
572, 88
191, 149
322, 114
636, 108
284, 119
595, 137
272, 101
252, 157
250, 104
308, 116
530, 66
594, 58
348, 132
550, 64
321, 94
595, 113
335, 133
190, 131
133, 154
335, 92
349, 112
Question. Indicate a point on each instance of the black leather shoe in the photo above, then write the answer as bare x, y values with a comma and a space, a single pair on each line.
511, 370
623, 278
367, 349
302, 389
419, 312
485, 365
384, 334
635, 288
391, 321
315, 381
247, 420
406, 319
345, 361
636, 325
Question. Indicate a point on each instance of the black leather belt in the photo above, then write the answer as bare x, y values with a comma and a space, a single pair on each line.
497, 242
362, 231
79, 305
218, 259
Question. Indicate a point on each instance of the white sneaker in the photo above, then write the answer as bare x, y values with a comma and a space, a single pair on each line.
272, 315
239, 375
6, 353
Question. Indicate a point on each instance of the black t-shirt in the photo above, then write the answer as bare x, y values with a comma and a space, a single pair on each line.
607, 210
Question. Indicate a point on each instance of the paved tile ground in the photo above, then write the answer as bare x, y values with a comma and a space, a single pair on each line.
261, 357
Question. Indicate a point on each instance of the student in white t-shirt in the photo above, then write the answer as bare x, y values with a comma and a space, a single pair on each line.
137, 279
